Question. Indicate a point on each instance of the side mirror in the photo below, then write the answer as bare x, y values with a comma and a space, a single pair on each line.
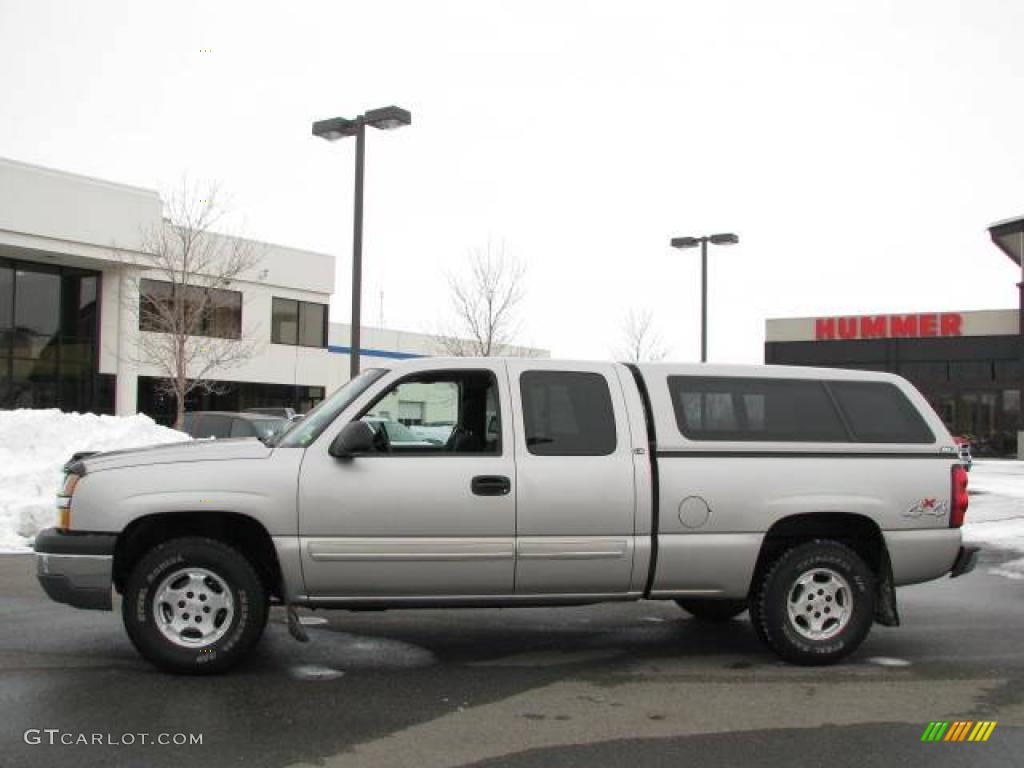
356, 437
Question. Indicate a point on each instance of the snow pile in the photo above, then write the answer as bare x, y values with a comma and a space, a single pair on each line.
34, 444
995, 517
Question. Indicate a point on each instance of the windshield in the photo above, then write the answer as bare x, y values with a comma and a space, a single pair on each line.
316, 421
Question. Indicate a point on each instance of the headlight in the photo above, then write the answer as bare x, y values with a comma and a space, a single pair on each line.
67, 490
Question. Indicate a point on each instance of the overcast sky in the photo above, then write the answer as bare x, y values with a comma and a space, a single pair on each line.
859, 149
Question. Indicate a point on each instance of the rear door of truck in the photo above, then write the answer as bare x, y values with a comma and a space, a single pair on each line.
575, 488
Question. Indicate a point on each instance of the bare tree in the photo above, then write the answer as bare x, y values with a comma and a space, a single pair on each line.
189, 325
640, 340
485, 304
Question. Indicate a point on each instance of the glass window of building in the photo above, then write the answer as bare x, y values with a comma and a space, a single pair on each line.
36, 313
284, 321
312, 324
974, 371
301, 323
212, 312
6, 308
48, 339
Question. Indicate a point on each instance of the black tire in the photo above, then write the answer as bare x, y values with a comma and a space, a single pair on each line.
756, 620
243, 625
840, 569
707, 609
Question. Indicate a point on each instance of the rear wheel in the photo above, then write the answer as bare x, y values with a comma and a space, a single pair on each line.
816, 603
712, 610
194, 606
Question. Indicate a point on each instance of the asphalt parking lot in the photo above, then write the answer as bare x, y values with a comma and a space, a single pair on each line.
639, 684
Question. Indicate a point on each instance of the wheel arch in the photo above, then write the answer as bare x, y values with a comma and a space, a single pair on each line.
241, 531
857, 531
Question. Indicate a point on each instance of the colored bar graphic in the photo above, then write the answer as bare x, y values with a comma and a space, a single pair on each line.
958, 730
982, 731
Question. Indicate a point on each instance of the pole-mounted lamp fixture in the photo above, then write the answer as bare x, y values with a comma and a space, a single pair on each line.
723, 238
332, 129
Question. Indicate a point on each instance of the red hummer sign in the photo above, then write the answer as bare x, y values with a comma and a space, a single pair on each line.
889, 326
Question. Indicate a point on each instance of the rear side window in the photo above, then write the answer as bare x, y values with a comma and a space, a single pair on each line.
755, 409
878, 412
567, 413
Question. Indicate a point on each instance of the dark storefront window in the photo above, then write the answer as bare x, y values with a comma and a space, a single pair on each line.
300, 323
925, 371
976, 415
219, 310
229, 396
312, 325
1011, 402
49, 330
6, 315
971, 371
1008, 370
284, 322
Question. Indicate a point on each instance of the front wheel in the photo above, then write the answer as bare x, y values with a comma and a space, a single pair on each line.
712, 610
194, 606
816, 603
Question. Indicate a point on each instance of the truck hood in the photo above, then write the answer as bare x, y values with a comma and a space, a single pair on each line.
196, 450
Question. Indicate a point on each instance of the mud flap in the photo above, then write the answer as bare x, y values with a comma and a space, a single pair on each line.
295, 628
885, 603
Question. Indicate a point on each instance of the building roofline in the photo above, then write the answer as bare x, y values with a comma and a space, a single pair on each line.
79, 176
268, 243
1001, 233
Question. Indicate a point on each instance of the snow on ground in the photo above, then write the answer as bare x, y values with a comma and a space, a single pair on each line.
995, 515
34, 444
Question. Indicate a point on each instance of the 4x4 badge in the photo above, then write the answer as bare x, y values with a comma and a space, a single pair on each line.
928, 507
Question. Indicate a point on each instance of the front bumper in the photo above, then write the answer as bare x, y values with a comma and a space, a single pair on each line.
965, 561
76, 567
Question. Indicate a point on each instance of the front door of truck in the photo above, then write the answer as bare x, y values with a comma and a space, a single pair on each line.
430, 510
574, 479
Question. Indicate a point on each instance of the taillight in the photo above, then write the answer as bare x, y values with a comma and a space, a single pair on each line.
958, 500
64, 495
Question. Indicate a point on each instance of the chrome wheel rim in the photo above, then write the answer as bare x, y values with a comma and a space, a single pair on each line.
193, 607
820, 604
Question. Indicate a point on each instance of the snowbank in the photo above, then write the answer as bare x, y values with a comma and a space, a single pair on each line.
34, 444
995, 516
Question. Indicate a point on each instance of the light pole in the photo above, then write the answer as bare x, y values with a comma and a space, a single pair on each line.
726, 238
386, 119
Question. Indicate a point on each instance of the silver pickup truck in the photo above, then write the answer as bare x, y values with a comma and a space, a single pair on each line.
804, 496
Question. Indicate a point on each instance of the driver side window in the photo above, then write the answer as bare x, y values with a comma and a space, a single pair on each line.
441, 412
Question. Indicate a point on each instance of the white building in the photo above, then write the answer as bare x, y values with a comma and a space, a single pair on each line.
68, 337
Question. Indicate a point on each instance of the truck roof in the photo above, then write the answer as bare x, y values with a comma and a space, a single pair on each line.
672, 368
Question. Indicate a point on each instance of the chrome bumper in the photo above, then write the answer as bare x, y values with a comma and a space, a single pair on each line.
76, 568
